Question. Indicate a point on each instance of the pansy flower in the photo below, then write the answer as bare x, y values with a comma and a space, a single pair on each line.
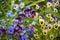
16, 6
49, 4
46, 24
50, 26
41, 21
57, 3
55, 10
15, 21
30, 31
33, 13
36, 36
18, 28
51, 19
27, 12
49, 0
21, 16
37, 6
11, 29
22, 5
35, 30
0, 32
3, 30
54, 17
51, 36
45, 31
48, 15
24, 37
55, 26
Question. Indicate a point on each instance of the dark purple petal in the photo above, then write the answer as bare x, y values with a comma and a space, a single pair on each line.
49, 0
33, 12
0, 32
26, 11
21, 15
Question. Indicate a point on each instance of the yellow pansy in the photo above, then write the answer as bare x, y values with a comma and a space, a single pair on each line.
49, 4
48, 15
51, 19
57, 3
36, 36
55, 10
41, 21
37, 6
35, 30
45, 32
51, 36
55, 26
46, 24
50, 26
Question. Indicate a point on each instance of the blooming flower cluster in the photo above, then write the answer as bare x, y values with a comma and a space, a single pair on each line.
28, 20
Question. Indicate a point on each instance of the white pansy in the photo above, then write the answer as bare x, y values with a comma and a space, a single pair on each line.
16, 6
22, 5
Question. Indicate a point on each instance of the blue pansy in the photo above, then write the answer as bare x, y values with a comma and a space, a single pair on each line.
23, 37
30, 31
11, 29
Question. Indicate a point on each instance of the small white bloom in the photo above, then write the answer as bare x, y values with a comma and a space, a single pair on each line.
37, 6
22, 5
16, 6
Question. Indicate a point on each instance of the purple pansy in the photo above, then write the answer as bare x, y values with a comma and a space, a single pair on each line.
20, 17
54, 17
33, 13
0, 31
49, 0
29, 13
3, 30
